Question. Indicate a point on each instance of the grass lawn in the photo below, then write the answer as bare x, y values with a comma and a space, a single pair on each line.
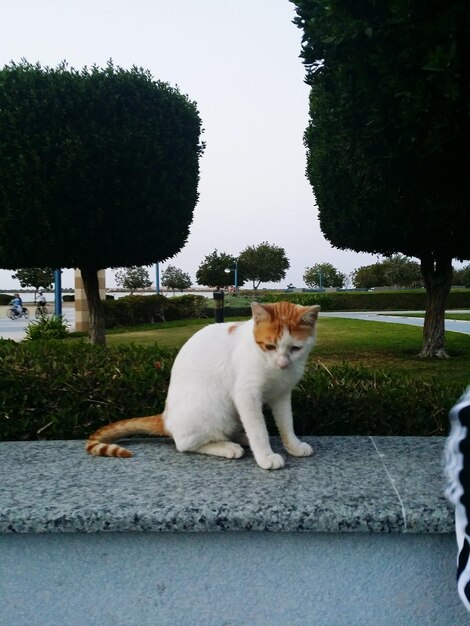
359, 342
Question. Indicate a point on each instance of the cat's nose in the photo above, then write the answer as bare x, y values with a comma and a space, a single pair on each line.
282, 361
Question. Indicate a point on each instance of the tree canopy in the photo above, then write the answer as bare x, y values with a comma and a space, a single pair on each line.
323, 275
132, 278
98, 168
395, 271
35, 277
211, 271
263, 263
388, 132
175, 279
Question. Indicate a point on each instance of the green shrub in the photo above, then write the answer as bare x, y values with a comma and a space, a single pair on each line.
54, 327
64, 390
356, 400
132, 310
68, 297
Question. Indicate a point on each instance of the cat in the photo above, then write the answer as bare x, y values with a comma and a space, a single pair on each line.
219, 382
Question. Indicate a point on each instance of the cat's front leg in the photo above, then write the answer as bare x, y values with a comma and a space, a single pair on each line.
282, 412
252, 418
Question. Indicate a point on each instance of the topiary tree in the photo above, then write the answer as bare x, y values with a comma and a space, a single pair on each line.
98, 168
175, 279
132, 278
323, 275
35, 277
263, 263
388, 136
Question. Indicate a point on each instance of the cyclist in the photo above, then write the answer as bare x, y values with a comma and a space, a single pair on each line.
41, 309
41, 298
17, 304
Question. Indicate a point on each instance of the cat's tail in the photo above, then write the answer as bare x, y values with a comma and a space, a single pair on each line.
100, 442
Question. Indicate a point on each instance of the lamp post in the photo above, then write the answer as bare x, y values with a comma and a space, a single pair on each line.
58, 292
157, 277
233, 268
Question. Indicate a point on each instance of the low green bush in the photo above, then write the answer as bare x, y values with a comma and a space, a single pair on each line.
356, 400
53, 327
57, 390
131, 310
61, 390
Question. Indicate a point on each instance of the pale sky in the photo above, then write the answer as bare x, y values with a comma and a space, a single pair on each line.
239, 61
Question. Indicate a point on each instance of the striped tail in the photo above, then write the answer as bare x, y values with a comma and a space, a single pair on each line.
100, 442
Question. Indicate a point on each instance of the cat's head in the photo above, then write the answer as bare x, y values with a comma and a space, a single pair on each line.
285, 332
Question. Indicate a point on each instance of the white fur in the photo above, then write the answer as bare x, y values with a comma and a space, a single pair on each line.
219, 383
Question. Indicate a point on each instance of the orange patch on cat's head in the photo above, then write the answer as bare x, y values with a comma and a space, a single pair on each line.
271, 320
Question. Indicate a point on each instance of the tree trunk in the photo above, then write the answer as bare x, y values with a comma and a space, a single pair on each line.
96, 332
437, 274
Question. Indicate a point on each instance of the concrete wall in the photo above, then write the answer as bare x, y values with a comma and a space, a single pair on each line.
359, 534
222, 579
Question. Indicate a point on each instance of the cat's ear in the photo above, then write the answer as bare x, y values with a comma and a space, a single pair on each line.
310, 315
260, 313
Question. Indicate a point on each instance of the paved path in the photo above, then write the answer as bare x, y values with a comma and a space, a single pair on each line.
399, 317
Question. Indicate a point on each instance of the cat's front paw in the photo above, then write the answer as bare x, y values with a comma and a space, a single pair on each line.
300, 449
270, 461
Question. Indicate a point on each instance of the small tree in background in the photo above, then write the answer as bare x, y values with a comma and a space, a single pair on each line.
175, 279
400, 271
368, 276
264, 263
98, 168
35, 277
132, 278
212, 272
323, 275
395, 271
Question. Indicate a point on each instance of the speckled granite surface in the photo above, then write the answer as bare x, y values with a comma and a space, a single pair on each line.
380, 484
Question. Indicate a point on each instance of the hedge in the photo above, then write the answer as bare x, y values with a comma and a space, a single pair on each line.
151, 309
64, 390
370, 301
134, 310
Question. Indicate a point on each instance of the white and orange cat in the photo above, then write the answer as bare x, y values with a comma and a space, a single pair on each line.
219, 382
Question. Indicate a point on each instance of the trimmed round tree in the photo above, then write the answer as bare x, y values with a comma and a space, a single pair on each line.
98, 168
388, 135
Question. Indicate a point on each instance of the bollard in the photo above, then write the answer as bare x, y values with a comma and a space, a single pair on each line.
218, 306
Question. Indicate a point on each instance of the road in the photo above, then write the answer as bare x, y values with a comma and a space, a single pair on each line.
15, 329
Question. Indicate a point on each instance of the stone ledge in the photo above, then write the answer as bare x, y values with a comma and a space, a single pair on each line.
366, 484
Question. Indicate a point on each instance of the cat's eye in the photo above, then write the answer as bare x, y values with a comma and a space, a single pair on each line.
269, 346
295, 348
